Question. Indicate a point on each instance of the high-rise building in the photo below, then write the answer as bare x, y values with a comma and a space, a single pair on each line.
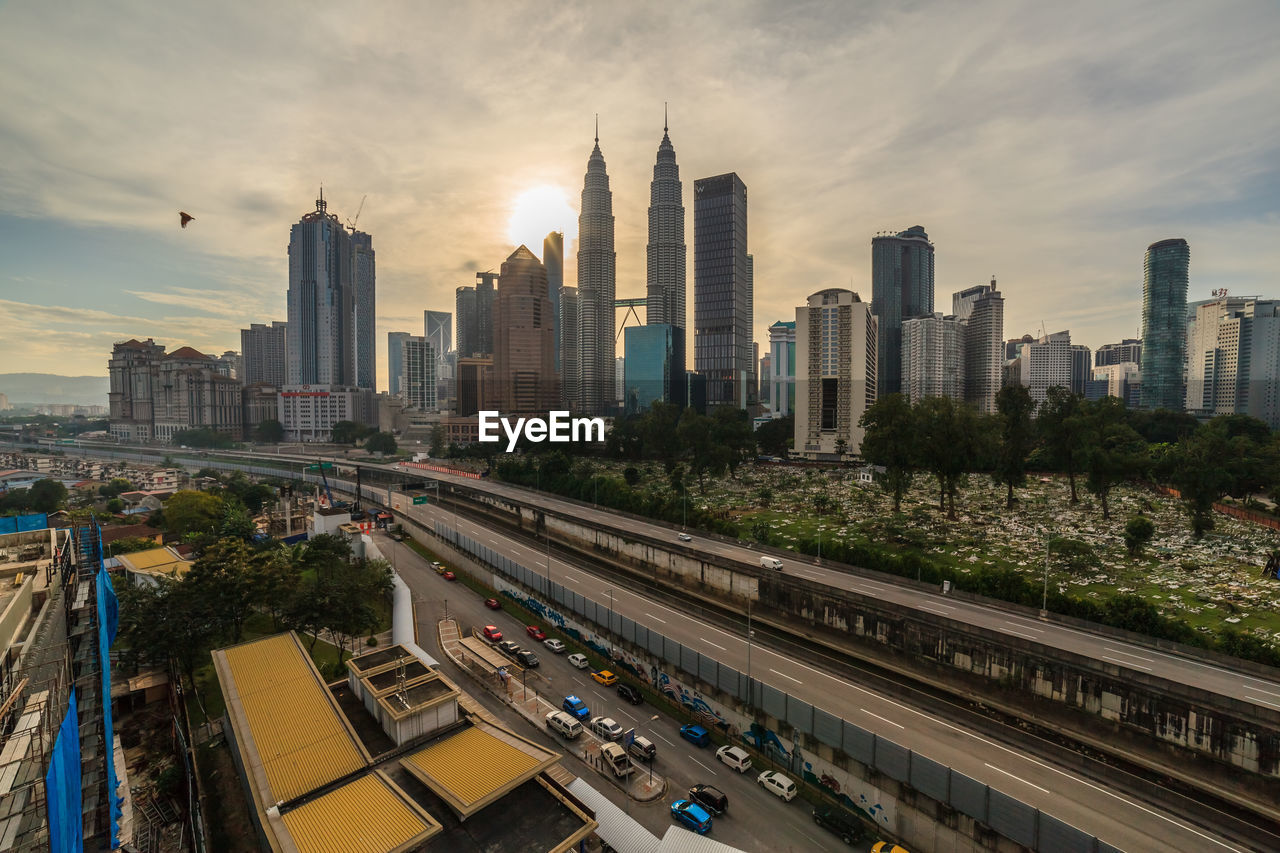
722, 321
524, 356
653, 367
982, 310
1081, 370
1120, 380
766, 368
553, 260
263, 353
131, 401
475, 375
1128, 350
1233, 364
933, 357
569, 373
619, 377
597, 288
418, 373
666, 252
782, 366
901, 288
468, 322
438, 329
836, 373
395, 361
1044, 363
486, 282
1164, 318
155, 395
322, 339
366, 320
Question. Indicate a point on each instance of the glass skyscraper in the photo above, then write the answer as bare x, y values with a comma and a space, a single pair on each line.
1164, 323
597, 287
722, 321
395, 361
553, 260
665, 252
654, 368
901, 288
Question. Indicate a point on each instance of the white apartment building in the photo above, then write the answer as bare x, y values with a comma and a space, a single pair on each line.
1233, 359
308, 412
418, 364
836, 340
933, 357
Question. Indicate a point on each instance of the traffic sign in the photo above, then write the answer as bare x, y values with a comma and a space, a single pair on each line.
419, 499
325, 465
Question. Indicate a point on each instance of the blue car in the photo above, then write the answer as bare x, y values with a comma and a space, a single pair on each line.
692, 815
576, 706
696, 735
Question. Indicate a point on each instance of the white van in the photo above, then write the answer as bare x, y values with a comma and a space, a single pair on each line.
770, 563
567, 726
736, 757
775, 783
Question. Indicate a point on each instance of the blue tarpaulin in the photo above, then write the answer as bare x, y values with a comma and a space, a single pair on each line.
108, 618
23, 523
62, 786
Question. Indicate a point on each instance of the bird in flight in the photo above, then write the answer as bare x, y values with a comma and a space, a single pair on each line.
184, 218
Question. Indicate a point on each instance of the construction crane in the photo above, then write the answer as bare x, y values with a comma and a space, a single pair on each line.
351, 223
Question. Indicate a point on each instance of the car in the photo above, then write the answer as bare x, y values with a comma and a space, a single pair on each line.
691, 815
778, 784
576, 706
606, 727
509, 648
696, 735
450, 576
536, 632
710, 798
736, 757
527, 658
493, 604
685, 537
579, 661
887, 847
631, 694
605, 677
492, 634
438, 566
642, 748
556, 647
843, 824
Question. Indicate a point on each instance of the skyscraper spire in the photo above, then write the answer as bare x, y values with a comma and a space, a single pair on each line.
597, 128
664, 118
597, 286
665, 253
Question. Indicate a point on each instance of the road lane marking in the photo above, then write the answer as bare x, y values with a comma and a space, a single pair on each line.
1028, 627
703, 766
1258, 689
655, 618
1019, 634
570, 578
1126, 663
784, 675
939, 612
661, 738
818, 844
882, 719
1019, 778
1128, 654
1263, 701
721, 648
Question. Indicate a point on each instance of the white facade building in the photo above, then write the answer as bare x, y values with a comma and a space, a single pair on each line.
418, 373
782, 368
1045, 363
933, 353
308, 412
981, 308
1233, 359
835, 373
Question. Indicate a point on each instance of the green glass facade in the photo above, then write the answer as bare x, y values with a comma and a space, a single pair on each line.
1164, 324
653, 367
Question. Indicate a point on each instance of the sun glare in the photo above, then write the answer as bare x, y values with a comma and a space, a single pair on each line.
538, 212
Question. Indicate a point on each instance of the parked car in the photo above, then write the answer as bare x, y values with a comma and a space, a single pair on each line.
887, 847
606, 727
566, 725
493, 604
576, 706
736, 757
775, 783
450, 576
692, 816
843, 824
438, 566
580, 661
696, 735
509, 648
685, 537
605, 677
555, 646
536, 632
642, 748
492, 634
710, 798
630, 693
527, 658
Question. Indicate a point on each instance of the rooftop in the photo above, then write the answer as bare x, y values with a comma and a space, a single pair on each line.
156, 561
369, 815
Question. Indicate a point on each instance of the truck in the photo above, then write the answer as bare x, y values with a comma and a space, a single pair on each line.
771, 563
615, 758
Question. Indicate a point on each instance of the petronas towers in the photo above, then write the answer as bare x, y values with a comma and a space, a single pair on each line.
665, 277
597, 286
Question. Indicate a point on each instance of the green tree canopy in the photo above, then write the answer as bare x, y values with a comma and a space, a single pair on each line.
776, 436
1017, 437
1060, 423
951, 445
892, 442
46, 495
270, 431
381, 442
1112, 451
192, 512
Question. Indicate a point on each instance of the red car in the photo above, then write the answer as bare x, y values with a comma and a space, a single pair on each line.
536, 632
493, 604
492, 634
450, 576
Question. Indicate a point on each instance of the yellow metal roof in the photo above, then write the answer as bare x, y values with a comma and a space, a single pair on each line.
156, 561
476, 766
294, 728
369, 815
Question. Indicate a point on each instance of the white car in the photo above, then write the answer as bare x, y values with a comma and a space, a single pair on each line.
775, 783
736, 757
580, 661
685, 537
554, 646
606, 727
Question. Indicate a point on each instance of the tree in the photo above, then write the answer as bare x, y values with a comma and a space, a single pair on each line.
436, 448
1061, 426
115, 488
192, 512
237, 523
46, 495
349, 432
381, 442
761, 531
1162, 426
632, 475
115, 506
950, 445
270, 431
220, 576
733, 439
1200, 468
203, 437
694, 434
892, 442
775, 437
273, 580
1015, 407
1112, 452
1137, 533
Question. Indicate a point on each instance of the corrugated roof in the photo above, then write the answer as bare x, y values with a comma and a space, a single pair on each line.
369, 815
620, 829
477, 765
680, 840
294, 728
156, 561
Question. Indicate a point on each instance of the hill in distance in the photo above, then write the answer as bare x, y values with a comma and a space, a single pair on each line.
51, 388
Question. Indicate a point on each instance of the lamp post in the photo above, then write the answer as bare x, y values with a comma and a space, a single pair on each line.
1044, 598
684, 505
610, 626
546, 537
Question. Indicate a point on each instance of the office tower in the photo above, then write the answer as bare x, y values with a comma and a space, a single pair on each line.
933, 357
619, 377
468, 321
722, 322
569, 347
263, 353
475, 375
438, 329
1080, 370
1043, 363
1233, 364
836, 373
982, 310
553, 260
395, 361
765, 369
653, 366
1122, 380
1013, 346
665, 253
1128, 350
365, 328
782, 365
322, 302
597, 286
485, 296
901, 288
1164, 318
418, 373
524, 355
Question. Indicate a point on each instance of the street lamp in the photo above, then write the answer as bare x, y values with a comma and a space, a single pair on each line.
684, 505
610, 626
751, 693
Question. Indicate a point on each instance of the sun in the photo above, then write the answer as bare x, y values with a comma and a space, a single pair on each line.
536, 213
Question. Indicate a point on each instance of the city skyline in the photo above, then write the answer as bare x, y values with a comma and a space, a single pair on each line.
1089, 142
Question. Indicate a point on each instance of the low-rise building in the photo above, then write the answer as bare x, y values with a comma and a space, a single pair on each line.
308, 412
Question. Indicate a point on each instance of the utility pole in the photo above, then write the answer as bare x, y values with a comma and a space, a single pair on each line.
751, 691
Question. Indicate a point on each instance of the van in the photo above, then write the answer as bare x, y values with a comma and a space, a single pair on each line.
842, 823
642, 748
567, 726
615, 758
736, 757
710, 798
771, 563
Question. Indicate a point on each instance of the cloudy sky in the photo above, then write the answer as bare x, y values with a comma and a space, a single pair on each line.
1045, 145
